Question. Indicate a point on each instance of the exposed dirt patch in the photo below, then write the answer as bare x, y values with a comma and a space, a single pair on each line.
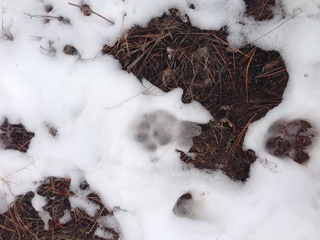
260, 9
22, 221
238, 86
15, 136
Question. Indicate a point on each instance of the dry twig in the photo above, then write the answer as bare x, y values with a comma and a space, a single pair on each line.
87, 12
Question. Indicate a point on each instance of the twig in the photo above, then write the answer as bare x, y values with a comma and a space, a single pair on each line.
60, 19
75, 5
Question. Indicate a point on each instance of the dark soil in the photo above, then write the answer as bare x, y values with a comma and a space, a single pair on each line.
22, 221
237, 86
15, 136
260, 9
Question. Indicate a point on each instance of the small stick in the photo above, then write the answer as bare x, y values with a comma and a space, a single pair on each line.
75, 5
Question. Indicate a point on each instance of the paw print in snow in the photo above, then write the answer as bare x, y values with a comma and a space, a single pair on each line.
154, 129
183, 206
160, 128
290, 139
192, 205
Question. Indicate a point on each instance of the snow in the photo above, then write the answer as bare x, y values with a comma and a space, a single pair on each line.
93, 105
104, 223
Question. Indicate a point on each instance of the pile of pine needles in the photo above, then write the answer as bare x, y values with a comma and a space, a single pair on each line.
22, 221
237, 86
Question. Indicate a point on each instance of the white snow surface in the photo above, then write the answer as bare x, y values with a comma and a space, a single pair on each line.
92, 103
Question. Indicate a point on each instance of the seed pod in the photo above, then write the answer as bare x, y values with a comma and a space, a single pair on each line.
86, 10
70, 50
48, 8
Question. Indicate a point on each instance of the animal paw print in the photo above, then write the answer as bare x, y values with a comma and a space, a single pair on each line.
155, 129
290, 139
191, 205
160, 128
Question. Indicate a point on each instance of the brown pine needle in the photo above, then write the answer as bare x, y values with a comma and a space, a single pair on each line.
247, 73
240, 136
270, 73
5, 228
23, 145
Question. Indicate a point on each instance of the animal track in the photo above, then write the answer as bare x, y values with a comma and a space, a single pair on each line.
290, 139
182, 207
192, 205
160, 128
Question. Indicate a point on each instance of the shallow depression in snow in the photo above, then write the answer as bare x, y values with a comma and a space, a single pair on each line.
161, 128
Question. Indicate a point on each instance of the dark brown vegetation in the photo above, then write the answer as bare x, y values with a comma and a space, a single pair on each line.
260, 9
237, 86
15, 136
22, 221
